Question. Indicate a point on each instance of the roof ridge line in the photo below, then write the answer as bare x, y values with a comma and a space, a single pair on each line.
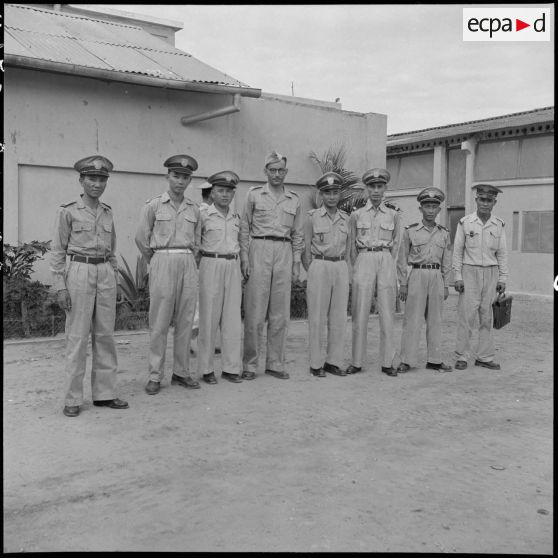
73, 16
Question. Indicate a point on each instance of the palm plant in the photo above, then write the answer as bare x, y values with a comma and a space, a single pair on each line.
135, 287
353, 194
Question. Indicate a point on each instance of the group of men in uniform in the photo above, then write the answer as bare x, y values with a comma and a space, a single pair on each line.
199, 255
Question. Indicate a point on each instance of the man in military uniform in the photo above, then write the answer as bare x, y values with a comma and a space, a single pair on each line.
425, 247
87, 288
166, 238
271, 244
220, 280
375, 234
480, 265
326, 259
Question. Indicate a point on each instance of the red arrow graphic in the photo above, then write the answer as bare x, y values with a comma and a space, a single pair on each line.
519, 25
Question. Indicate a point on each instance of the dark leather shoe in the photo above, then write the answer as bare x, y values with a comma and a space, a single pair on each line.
187, 382
71, 410
461, 365
403, 367
353, 369
317, 372
281, 374
440, 367
389, 370
332, 369
491, 364
234, 378
112, 403
152, 387
210, 378
248, 375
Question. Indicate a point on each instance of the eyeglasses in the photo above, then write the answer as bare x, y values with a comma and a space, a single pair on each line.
276, 171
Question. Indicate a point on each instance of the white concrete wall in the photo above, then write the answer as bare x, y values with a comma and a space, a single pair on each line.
51, 121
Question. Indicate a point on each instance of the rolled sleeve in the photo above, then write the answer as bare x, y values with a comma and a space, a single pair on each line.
396, 235
297, 235
446, 262
402, 256
502, 258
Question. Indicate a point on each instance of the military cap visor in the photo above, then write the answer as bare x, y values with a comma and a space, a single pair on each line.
376, 175
94, 165
181, 163
224, 178
487, 189
274, 157
431, 195
329, 181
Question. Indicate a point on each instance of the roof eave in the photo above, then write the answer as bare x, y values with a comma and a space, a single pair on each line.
126, 77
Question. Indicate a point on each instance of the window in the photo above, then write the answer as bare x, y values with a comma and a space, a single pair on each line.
538, 231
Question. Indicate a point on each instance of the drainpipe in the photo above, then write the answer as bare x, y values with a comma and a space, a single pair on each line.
235, 107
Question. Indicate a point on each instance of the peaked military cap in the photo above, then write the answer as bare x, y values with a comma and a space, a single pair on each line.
487, 189
205, 185
224, 178
94, 165
432, 195
376, 175
274, 157
181, 163
329, 180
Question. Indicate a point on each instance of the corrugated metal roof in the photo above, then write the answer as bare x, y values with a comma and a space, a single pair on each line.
77, 40
526, 118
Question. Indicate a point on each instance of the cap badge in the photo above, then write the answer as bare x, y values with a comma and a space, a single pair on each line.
228, 178
184, 162
330, 180
98, 164
376, 173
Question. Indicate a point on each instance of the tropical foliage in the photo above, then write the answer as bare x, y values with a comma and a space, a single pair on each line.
353, 194
135, 286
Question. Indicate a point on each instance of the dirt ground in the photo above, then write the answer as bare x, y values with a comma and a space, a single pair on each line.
425, 462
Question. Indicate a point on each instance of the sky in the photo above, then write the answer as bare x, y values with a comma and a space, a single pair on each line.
406, 61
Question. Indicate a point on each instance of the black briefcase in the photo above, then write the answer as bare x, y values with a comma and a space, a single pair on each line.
501, 309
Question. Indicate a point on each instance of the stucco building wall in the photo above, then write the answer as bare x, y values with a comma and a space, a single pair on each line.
51, 121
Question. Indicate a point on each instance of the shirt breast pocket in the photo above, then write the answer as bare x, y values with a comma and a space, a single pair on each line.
82, 232
363, 229
107, 233
386, 231
189, 223
162, 227
322, 234
494, 240
472, 237
287, 216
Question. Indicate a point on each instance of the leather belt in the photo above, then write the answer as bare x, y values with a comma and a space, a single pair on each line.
375, 249
224, 256
88, 259
173, 250
328, 258
426, 266
279, 238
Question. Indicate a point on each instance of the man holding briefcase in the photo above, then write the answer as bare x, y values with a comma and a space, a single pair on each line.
480, 265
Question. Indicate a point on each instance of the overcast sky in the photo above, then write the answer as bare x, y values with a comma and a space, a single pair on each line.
408, 62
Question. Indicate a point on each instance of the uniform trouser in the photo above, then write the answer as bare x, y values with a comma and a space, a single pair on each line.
371, 269
327, 294
425, 296
173, 293
92, 290
267, 295
220, 296
480, 292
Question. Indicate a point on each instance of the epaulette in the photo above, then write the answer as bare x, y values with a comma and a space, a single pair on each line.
501, 220
153, 198
67, 204
293, 192
106, 205
254, 188
343, 214
311, 212
441, 227
412, 225
391, 205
